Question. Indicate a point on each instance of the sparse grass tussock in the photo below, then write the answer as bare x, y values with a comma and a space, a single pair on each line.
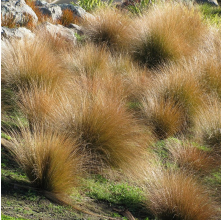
87, 60
208, 125
67, 18
49, 159
171, 103
109, 27
29, 62
8, 21
178, 195
167, 33
189, 156
38, 104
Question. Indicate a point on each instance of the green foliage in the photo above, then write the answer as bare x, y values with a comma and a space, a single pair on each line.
90, 5
139, 7
5, 217
211, 14
121, 194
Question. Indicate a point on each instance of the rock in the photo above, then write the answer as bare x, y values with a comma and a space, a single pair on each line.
52, 10
77, 10
77, 28
209, 2
19, 10
59, 31
16, 33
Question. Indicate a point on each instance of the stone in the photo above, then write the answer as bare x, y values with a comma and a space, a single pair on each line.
52, 10
209, 2
19, 10
77, 28
16, 33
59, 31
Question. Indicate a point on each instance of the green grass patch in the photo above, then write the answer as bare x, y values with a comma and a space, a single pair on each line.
121, 193
5, 217
211, 14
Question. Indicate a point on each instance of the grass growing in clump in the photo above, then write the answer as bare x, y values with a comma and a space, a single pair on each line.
188, 155
208, 126
170, 105
49, 159
109, 134
109, 27
168, 32
28, 62
178, 195
67, 17
88, 60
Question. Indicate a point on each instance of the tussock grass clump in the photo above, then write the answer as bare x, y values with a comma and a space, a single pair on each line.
29, 62
109, 134
171, 103
49, 159
178, 195
38, 104
188, 155
211, 76
168, 32
67, 18
109, 27
164, 117
208, 125
88, 60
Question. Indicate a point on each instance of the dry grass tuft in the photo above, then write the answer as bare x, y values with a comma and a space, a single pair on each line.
88, 60
8, 21
208, 125
109, 134
164, 117
178, 195
171, 103
188, 156
67, 18
50, 160
109, 27
28, 62
168, 32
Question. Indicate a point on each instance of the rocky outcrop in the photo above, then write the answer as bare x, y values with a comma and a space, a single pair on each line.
16, 33
209, 2
59, 31
51, 10
18, 10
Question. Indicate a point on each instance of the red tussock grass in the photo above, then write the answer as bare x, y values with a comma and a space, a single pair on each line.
208, 125
50, 160
109, 135
8, 21
68, 18
188, 156
29, 62
178, 195
173, 101
87, 60
167, 32
109, 27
